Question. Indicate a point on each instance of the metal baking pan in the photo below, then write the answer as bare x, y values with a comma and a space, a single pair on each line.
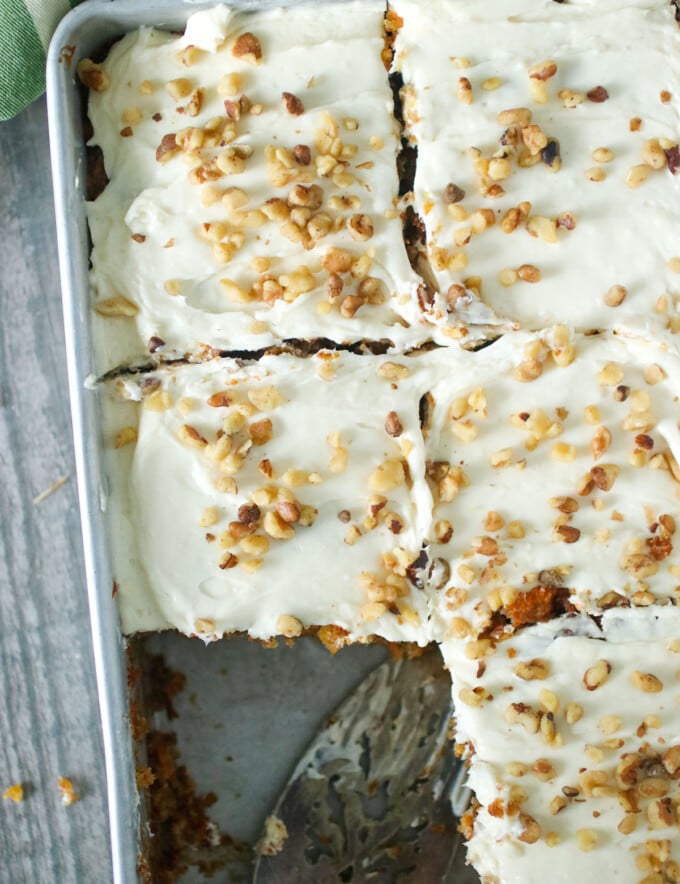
255, 706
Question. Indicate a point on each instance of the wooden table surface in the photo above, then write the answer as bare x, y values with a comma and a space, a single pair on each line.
49, 719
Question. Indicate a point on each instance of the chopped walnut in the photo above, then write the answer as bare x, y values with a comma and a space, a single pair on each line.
167, 149
598, 94
596, 675
464, 90
388, 476
393, 426
519, 116
532, 669
93, 75
116, 307
646, 682
453, 194
302, 154
292, 104
247, 47
531, 830
288, 626
360, 227
277, 527
615, 296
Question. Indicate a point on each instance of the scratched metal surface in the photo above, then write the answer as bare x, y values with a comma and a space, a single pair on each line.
49, 720
246, 716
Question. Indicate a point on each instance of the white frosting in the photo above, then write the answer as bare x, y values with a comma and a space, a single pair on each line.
613, 524
623, 236
332, 62
315, 576
208, 28
642, 640
137, 602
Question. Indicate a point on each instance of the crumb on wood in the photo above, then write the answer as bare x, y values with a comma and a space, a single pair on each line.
68, 794
14, 793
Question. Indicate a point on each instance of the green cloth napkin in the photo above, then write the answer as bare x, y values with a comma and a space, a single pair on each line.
26, 27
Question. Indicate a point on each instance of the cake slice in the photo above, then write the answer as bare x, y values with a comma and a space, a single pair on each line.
552, 461
571, 730
271, 496
546, 176
253, 187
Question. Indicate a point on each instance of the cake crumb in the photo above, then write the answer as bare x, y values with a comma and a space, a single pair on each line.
14, 793
144, 777
68, 794
273, 837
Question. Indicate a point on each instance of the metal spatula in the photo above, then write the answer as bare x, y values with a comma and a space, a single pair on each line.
371, 799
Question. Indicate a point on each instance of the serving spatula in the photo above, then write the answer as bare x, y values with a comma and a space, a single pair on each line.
375, 796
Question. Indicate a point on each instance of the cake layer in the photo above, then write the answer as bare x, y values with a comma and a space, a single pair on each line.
253, 185
272, 496
552, 460
572, 733
547, 139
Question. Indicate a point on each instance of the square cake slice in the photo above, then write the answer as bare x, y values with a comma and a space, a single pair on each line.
253, 188
546, 177
270, 497
552, 461
572, 734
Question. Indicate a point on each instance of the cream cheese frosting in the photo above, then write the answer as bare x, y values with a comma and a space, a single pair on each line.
239, 155
552, 459
272, 496
491, 90
571, 730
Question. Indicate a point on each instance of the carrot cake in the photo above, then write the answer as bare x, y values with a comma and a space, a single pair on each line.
317, 449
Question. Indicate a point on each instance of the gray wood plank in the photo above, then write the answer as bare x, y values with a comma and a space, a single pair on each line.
49, 721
